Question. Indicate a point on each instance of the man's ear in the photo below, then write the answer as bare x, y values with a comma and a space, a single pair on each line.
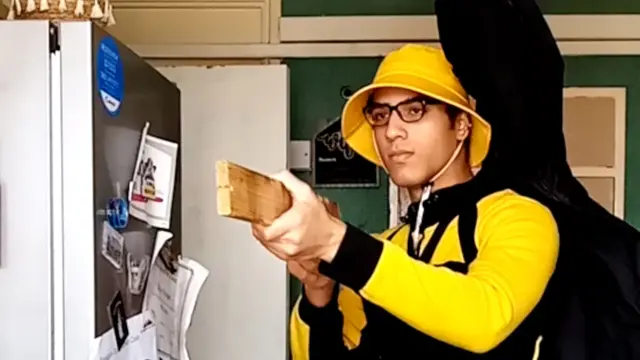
463, 126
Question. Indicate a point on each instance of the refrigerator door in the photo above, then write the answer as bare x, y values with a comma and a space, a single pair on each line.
78, 210
146, 96
109, 94
26, 192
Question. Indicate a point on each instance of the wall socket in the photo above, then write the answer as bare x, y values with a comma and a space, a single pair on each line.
300, 155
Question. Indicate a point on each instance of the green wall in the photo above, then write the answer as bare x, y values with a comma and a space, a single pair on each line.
315, 99
315, 86
422, 7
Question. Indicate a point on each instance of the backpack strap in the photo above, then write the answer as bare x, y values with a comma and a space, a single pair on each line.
395, 232
434, 240
467, 221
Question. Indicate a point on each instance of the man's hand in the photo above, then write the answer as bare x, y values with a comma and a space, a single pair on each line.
317, 287
307, 230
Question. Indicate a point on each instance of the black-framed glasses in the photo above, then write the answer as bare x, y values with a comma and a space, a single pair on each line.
409, 110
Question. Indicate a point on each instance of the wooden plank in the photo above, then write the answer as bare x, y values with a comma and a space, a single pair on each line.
244, 194
247, 195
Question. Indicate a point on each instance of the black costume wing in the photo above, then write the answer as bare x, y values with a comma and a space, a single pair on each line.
505, 55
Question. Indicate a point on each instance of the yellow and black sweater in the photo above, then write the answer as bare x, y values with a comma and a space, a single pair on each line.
474, 287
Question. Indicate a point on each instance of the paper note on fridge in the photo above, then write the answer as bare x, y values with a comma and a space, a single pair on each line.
164, 302
170, 298
151, 192
140, 344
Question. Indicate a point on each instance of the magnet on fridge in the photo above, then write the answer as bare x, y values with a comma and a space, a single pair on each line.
138, 267
168, 260
117, 213
112, 245
118, 320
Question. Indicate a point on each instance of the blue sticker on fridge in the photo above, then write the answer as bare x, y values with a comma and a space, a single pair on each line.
110, 74
117, 213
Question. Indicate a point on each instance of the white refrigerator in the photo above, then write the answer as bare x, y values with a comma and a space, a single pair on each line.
73, 105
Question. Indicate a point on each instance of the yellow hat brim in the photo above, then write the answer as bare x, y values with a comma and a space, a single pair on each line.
358, 133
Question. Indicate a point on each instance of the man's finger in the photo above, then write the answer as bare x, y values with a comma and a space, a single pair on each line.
258, 231
298, 188
296, 269
310, 264
276, 251
306, 277
289, 251
281, 225
267, 245
331, 207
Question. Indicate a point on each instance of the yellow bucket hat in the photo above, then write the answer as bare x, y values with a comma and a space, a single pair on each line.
422, 69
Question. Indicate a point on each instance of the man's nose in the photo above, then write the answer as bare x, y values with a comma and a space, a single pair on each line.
395, 127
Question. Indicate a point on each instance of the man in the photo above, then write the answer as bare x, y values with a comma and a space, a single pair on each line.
463, 277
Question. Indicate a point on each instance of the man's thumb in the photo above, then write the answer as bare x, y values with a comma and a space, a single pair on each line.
292, 183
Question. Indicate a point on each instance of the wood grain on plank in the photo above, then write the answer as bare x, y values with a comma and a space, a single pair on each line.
247, 195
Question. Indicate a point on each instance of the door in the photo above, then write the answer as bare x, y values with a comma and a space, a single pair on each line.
236, 113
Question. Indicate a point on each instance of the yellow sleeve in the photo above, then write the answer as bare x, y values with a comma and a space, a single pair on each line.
517, 252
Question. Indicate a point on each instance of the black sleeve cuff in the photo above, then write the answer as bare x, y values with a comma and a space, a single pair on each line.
316, 316
356, 259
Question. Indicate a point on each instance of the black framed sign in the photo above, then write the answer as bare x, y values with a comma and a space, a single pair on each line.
335, 164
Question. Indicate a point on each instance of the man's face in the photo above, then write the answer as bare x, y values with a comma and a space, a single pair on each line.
415, 150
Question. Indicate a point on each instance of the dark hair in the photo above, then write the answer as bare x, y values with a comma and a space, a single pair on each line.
452, 111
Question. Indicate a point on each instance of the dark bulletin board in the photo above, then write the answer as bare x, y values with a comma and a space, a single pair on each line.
335, 164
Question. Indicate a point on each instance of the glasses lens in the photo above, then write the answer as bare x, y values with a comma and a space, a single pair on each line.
412, 111
378, 114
